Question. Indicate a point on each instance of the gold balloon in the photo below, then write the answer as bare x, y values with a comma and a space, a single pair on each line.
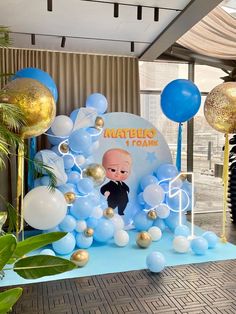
220, 107
152, 214
64, 148
36, 102
143, 239
95, 172
80, 258
99, 123
108, 212
70, 197
88, 232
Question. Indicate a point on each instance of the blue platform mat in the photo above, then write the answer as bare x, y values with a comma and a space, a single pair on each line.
109, 258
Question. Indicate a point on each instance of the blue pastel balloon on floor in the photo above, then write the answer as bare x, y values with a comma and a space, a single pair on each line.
83, 242
41, 76
155, 262
68, 224
180, 100
199, 246
211, 238
104, 230
98, 102
92, 222
65, 245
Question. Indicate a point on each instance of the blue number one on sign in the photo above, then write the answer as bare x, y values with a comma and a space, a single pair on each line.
173, 191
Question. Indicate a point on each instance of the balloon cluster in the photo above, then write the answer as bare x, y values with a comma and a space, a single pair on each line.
76, 206
161, 196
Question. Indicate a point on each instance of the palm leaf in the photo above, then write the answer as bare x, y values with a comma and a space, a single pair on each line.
11, 116
42, 265
7, 248
8, 298
5, 40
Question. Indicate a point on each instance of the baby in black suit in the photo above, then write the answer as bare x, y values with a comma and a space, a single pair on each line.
117, 163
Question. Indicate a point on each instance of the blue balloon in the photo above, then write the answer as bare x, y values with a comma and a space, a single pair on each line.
166, 171
95, 197
73, 177
68, 187
155, 262
47, 252
37, 182
98, 102
180, 100
56, 150
54, 140
172, 221
82, 208
160, 224
147, 180
83, 242
140, 199
173, 202
104, 230
41, 76
65, 245
92, 222
68, 161
74, 114
55, 229
45, 180
80, 141
85, 186
199, 246
211, 238
182, 230
142, 222
68, 224
94, 133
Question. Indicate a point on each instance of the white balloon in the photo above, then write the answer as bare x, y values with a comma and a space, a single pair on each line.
163, 211
155, 233
121, 238
153, 195
181, 244
62, 125
118, 222
81, 225
44, 209
97, 213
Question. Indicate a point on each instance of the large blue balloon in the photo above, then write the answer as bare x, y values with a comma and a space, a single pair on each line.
41, 76
180, 100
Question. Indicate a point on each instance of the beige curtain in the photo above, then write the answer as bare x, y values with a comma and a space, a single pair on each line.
76, 77
214, 36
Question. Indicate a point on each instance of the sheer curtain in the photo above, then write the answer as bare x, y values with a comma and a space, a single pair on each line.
76, 77
213, 36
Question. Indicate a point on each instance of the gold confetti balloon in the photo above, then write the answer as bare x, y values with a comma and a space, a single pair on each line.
36, 102
70, 197
80, 258
220, 108
108, 212
95, 172
143, 239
